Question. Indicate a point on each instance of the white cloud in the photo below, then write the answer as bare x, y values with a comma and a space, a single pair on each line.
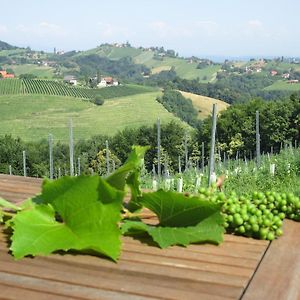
22, 28
255, 24
49, 26
42, 30
164, 30
108, 30
207, 27
3, 29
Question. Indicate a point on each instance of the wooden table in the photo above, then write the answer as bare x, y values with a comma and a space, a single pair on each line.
239, 268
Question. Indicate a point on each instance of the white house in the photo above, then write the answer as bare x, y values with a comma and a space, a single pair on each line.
102, 83
107, 81
70, 79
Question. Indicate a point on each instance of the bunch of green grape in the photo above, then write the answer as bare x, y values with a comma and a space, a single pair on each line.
259, 215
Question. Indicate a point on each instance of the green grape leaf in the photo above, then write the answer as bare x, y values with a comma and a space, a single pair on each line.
176, 210
183, 220
207, 231
5, 204
80, 213
132, 164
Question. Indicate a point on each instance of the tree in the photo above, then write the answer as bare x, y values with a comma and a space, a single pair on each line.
98, 100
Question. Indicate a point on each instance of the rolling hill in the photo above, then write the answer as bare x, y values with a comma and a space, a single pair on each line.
184, 67
33, 117
204, 104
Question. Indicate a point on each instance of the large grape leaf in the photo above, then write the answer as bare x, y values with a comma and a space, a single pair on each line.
182, 220
80, 213
207, 231
4, 205
176, 210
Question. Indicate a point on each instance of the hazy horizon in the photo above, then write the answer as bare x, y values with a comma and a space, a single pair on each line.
230, 28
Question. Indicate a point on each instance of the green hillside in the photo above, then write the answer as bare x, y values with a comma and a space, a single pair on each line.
204, 104
39, 71
183, 67
33, 117
51, 87
283, 85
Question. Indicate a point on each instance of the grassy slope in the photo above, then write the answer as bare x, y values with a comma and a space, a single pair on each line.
39, 71
183, 68
283, 85
204, 104
33, 117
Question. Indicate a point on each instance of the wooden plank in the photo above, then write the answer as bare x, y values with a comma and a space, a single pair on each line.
278, 276
143, 272
16, 293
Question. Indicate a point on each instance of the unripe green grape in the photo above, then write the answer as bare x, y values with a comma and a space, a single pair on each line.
281, 215
270, 236
263, 233
242, 229
255, 227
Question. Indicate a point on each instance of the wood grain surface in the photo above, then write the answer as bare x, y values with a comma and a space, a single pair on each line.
240, 267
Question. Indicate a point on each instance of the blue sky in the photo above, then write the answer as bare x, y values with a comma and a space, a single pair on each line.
191, 27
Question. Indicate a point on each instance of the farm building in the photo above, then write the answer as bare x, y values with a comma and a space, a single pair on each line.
6, 75
107, 81
70, 79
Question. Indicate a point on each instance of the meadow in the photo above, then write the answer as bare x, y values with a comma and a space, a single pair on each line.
204, 104
33, 117
283, 85
38, 71
183, 68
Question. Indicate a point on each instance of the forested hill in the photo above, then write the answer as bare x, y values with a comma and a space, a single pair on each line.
6, 46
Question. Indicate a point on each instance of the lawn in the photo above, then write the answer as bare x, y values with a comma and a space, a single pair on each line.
33, 117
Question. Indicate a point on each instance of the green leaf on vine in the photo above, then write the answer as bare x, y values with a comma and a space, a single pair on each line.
182, 220
176, 210
79, 213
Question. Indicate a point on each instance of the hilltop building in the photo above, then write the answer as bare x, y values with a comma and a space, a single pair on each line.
70, 80
6, 75
107, 81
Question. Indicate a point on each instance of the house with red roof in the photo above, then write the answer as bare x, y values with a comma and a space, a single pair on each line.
6, 75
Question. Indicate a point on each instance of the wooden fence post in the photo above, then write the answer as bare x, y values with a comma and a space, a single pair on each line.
212, 144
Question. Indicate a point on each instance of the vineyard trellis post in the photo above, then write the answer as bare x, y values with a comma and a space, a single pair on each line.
10, 169
179, 164
212, 145
71, 149
107, 158
202, 157
186, 154
78, 166
50, 140
24, 164
158, 148
257, 140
